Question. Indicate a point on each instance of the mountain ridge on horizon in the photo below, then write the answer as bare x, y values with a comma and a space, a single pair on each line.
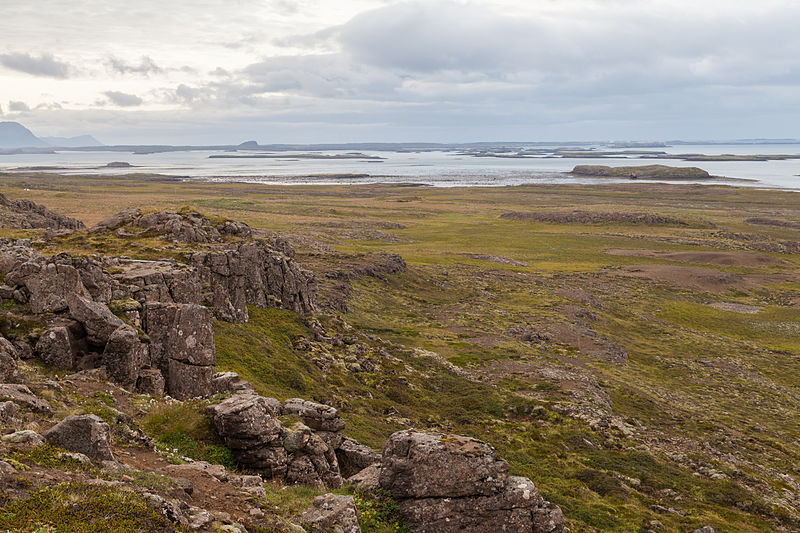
15, 135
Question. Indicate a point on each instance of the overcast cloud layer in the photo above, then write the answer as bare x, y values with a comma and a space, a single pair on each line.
223, 71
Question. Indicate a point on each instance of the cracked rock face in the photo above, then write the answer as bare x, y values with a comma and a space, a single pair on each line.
452, 483
182, 347
123, 356
254, 273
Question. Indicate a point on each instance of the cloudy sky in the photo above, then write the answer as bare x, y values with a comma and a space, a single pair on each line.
224, 71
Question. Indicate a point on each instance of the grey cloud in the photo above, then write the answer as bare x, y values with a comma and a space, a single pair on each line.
123, 99
18, 106
43, 65
146, 66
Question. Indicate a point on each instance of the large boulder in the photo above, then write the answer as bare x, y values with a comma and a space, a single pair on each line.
123, 356
54, 348
452, 483
332, 513
96, 318
431, 465
86, 434
182, 347
160, 281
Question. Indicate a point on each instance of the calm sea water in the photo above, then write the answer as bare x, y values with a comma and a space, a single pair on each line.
446, 169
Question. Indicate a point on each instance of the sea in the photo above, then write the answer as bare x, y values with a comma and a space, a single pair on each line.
445, 168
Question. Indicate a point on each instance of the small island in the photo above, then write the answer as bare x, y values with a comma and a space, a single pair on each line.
663, 172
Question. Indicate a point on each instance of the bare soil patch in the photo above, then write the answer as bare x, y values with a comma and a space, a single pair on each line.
703, 279
745, 259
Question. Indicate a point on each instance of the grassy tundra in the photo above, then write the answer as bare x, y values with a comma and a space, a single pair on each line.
633, 349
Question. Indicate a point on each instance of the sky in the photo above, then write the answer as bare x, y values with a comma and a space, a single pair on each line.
308, 71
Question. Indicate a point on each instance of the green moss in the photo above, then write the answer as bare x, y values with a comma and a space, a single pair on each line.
183, 430
81, 508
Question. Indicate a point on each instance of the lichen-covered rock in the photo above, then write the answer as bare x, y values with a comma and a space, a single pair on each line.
54, 348
9, 415
160, 281
8, 360
513, 510
86, 434
315, 415
312, 460
367, 479
26, 214
354, 457
230, 382
123, 218
451, 483
331, 513
150, 381
96, 318
48, 285
256, 274
26, 436
431, 465
22, 395
248, 425
182, 347
183, 227
123, 356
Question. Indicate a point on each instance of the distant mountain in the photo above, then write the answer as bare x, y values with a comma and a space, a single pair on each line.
15, 135
72, 142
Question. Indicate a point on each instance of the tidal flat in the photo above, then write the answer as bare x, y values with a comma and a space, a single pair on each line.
632, 348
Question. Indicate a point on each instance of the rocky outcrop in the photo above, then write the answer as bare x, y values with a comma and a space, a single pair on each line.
25, 214
256, 274
449, 483
249, 426
86, 434
301, 453
123, 218
181, 346
188, 227
331, 512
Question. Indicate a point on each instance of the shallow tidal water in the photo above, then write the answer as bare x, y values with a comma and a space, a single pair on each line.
436, 168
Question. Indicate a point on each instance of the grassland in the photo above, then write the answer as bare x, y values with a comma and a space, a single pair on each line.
606, 377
